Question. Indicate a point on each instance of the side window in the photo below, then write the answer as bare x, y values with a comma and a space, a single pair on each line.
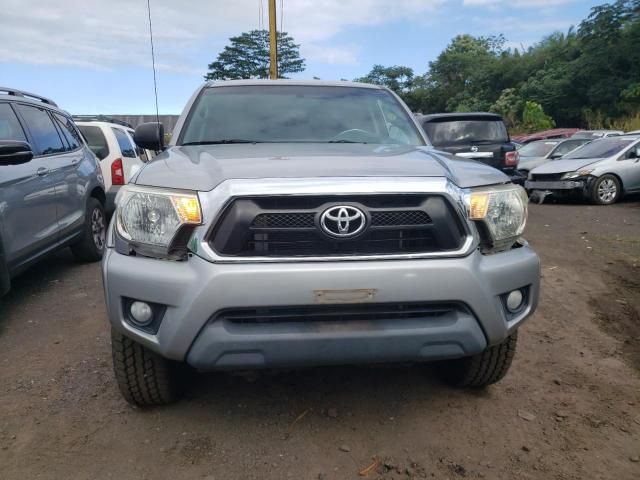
45, 136
124, 143
10, 128
96, 140
68, 130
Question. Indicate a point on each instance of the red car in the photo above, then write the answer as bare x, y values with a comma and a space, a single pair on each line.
545, 134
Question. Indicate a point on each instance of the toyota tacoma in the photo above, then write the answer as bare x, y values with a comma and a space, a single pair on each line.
293, 224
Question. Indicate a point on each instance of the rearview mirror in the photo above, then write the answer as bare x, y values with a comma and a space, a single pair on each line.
149, 136
15, 152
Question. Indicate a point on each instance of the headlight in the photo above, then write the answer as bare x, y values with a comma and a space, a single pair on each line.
576, 174
502, 212
153, 217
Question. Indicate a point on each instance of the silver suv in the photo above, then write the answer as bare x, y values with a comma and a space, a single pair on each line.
51, 188
310, 223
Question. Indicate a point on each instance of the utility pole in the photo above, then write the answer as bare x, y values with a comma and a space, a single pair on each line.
273, 41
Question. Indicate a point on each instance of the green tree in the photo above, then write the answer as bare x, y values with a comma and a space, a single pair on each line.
534, 119
247, 56
510, 106
397, 78
460, 75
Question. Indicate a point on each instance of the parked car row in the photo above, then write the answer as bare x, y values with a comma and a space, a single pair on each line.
602, 171
554, 161
559, 133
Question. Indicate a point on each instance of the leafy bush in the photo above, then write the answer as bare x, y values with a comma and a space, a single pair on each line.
534, 119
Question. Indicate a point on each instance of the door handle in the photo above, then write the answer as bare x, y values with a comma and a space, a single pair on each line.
75, 161
42, 171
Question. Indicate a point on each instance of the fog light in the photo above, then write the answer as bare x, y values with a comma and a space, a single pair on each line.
514, 300
141, 313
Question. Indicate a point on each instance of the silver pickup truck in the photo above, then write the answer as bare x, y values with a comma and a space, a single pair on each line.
299, 223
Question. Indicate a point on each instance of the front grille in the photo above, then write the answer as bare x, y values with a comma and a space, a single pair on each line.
282, 226
546, 177
338, 313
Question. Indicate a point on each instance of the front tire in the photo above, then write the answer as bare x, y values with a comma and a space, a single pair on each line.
144, 377
90, 247
606, 190
482, 369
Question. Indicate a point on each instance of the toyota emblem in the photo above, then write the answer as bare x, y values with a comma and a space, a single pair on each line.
474, 149
343, 221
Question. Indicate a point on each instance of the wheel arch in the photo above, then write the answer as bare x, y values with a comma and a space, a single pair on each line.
98, 194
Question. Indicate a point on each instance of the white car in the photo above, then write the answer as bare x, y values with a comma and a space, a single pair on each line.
593, 134
603, 171
112, 142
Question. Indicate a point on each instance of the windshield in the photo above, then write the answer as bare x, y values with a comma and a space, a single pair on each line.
605, 147
286, 113
537, 149
565, 147
466, 131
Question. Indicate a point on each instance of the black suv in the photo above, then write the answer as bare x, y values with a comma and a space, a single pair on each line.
51, 188
480, 136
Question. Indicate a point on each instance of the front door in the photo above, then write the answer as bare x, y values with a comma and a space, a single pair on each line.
28, 218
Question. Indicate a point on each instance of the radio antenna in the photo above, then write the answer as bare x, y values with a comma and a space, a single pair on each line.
153, 64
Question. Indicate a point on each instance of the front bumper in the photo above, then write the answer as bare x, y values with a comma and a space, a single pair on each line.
194, 291
555, 185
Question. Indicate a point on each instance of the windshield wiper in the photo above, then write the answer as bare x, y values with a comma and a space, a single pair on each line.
344, 141
223, 141
483, 142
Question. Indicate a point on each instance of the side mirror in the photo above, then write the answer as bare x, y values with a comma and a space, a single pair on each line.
555, 156
635, 153
15, 152
149, 136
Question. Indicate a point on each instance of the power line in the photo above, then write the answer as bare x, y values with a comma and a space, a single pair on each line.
153, 64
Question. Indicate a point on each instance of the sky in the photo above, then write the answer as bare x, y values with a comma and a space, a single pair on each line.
94, 56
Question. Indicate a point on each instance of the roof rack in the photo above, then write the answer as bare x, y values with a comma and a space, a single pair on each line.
33, 96
101, 118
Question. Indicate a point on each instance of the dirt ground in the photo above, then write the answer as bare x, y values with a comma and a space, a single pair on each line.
569, 408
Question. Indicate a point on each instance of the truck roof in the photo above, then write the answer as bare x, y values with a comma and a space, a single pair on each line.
436, 117
312, 83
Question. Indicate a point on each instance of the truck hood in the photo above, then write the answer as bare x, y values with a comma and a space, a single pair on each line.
569, 165
204, 167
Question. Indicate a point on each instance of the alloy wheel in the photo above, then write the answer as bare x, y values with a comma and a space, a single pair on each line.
98, 228
607, 190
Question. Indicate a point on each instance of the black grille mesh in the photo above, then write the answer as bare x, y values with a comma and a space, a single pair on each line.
284, 220
400, 217
547, 177
296, 220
